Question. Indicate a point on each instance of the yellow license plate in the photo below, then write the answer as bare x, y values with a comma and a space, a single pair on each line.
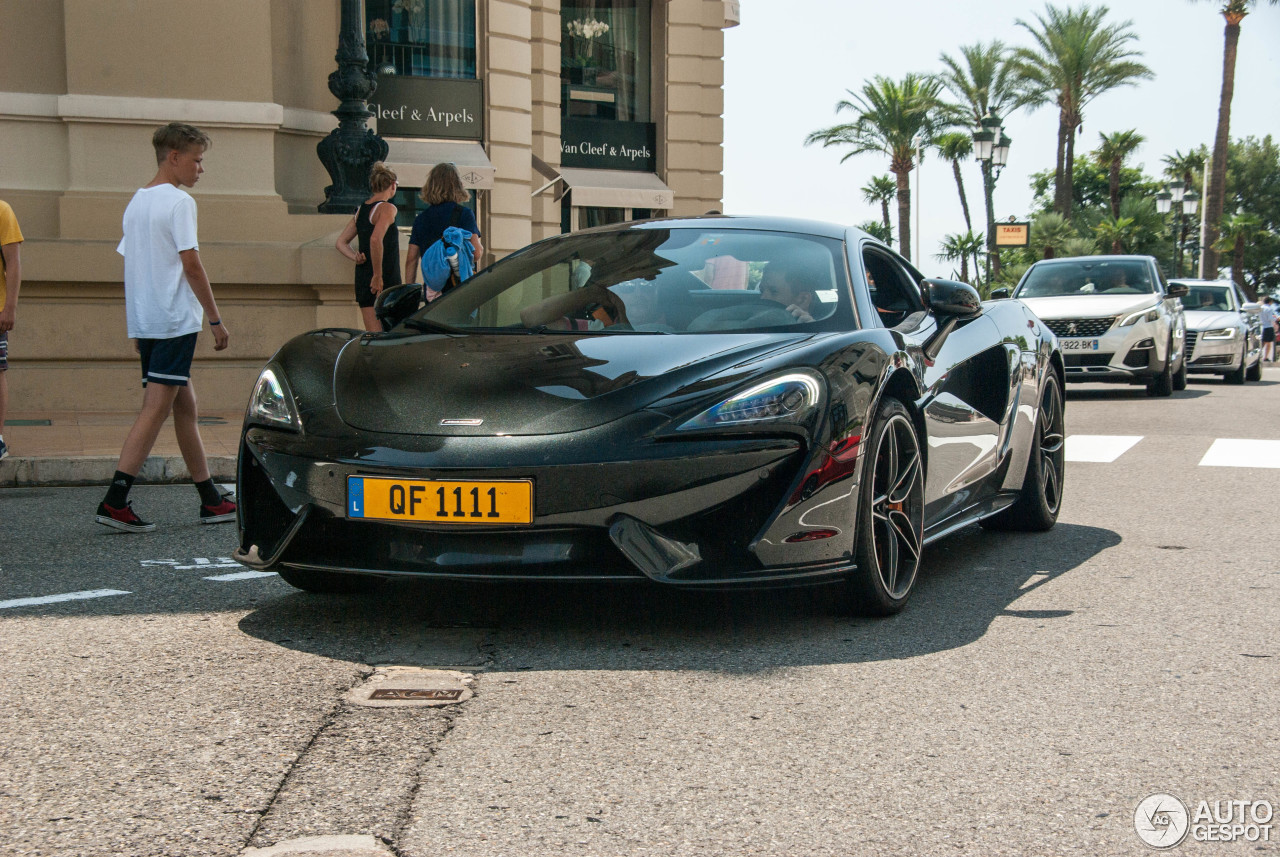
440, 501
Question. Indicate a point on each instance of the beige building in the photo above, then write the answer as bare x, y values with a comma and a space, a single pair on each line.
559, 114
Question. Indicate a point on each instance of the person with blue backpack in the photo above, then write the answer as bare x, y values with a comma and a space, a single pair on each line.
443, 233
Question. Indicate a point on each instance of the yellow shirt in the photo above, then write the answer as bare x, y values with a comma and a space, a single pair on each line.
9, 234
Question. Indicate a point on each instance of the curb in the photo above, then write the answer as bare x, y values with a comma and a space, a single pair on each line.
20, 472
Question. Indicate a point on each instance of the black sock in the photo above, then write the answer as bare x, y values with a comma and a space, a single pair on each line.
118, 493
209, 493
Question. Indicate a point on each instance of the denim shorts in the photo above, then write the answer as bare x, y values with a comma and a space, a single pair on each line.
167, 361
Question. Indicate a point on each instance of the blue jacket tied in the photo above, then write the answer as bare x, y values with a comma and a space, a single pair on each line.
435, 259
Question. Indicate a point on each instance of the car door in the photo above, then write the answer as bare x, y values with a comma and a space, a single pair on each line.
967, 390
1251, 322
1173, 312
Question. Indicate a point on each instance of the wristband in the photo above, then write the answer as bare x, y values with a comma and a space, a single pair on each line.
215, 323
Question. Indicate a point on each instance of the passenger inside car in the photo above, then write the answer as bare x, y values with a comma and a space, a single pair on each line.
787, 296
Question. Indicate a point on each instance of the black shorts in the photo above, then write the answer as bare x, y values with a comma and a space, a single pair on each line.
4, 351
1268, 334
167, 361
364, 295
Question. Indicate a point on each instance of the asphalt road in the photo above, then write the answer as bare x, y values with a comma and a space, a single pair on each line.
1035, 690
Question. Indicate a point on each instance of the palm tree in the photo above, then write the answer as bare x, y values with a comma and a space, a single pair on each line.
1118, 231
1111, 154
1234, 12
881, 189
960, 247
879, 230
955, 146
895, 118
1237, 229
1077, 56
982, 82
1051, 232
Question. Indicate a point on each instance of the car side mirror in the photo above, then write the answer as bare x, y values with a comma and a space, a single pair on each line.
949, 298
1178, 290
395, 304
950, 302
1000, 294
1252, 308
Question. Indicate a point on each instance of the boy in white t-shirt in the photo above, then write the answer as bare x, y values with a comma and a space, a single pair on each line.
166, 293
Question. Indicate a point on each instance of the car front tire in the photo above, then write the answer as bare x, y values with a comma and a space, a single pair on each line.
1180, 377
1238, 376
1162, 384
1255, 371
1036, 508
890, 533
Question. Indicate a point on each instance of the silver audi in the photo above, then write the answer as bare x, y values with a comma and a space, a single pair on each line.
1224, 331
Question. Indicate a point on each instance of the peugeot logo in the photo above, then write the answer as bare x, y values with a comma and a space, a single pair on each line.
1072, 329
461, 422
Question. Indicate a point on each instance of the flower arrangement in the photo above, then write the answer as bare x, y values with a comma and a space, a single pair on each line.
586, 30
379, 28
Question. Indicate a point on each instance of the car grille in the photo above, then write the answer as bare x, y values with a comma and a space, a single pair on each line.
1192, 336
1080, 326
1215, 360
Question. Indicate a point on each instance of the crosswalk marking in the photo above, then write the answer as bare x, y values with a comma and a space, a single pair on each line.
66, 596
1227, 452
242, 575
1103, 448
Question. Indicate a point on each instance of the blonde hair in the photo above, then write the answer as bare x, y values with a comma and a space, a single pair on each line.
444, 185
178, 137
381, 177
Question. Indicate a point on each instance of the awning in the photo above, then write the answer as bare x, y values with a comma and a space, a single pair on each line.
609, 188
413, 159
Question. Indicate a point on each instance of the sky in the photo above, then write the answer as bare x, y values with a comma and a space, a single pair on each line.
789, 63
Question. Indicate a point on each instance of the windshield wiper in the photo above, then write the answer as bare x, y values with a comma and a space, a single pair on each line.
429, 326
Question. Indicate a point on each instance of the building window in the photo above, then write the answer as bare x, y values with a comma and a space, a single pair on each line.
588, 216
605, 59
421, 38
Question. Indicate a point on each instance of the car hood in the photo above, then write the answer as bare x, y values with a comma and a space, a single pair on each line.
524, 384
1087, 306
1198, 319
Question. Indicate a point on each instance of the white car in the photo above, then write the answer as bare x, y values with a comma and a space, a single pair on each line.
1116, 318
1224, 331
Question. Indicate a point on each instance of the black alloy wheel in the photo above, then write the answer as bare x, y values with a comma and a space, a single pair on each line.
890, 514
1036, 508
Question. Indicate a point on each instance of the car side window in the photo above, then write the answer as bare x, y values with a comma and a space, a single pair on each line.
894, 293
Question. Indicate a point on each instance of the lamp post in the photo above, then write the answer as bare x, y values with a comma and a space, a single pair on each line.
351, 148
1176, 198
991, 148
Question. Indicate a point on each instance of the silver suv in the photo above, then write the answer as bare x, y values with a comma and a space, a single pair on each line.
1116, 319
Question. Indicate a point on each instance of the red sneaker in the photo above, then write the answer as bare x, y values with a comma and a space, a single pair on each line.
219, 514
122, 519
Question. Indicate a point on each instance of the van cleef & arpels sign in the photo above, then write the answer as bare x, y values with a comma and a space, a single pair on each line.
428, 107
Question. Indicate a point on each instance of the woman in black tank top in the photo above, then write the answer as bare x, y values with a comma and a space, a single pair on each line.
378, 259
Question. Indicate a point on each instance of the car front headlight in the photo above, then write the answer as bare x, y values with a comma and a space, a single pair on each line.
272, 403
1149, 314
1220, 333
790, 398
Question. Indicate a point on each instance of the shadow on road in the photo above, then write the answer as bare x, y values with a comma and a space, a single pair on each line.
968, 581
1122, 392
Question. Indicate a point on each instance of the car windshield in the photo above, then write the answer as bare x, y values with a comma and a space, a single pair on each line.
654, 280
1086, 277
1209, 298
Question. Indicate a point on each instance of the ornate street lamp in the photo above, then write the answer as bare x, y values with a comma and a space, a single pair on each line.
1176, 198
351, 148
991, 148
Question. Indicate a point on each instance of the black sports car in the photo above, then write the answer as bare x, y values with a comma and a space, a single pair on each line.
699, 402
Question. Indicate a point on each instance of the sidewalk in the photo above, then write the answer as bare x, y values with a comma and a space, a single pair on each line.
81, 448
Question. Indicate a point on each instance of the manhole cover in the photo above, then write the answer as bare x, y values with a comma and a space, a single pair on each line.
399, 687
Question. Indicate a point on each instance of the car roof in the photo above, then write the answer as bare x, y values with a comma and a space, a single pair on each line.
1095, 259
